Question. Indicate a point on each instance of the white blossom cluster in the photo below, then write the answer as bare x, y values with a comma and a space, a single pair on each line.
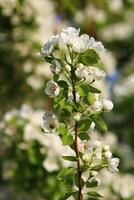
95, 153
124, 88
51, 145
70, 36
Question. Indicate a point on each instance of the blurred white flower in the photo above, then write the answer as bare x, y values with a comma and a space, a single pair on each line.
113, 164
108, 154
96, 107
96, 73
50, 122
107, 105
52, 89
50, 164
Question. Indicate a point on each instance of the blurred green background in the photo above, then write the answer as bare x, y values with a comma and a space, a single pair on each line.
29, 160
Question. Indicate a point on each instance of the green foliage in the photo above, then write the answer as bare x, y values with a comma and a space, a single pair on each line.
100, 124
84, 124
65, 172
94, 195
90, 57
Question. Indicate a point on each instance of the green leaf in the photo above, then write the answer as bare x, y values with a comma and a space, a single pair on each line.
100, 124
62, 129
48, 59
83, 90
94, 90
69, 158
67, 139
92, 183
63, 84
83, 136
67, 195
65, 172
93, 194
89, 99
97, 168
90, 57
84, 124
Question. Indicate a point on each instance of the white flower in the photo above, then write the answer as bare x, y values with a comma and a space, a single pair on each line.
71, 99
86, 157
50, 122
68, 34
93, 173
96, 106
106, 148
97, 46
96, 143
50, 164
77, 116
92, 126
80, 43
52, 89
107, 105
84, 147
98, 155
56, 66
81, 71
113, 164
48, 48
108, 154
96, 73
67, 67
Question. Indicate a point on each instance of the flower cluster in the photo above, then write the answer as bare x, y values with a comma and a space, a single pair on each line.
75, 63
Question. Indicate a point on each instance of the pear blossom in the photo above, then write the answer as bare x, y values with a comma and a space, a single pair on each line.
50, 122
107, 105
80, 43
96, 73
96, 107
108, 154
93, 173
86, 157
77, 116
113, 164
67, 35
52, 89
81, 71
106, 148
48, 48
97, 46
96, 143
56, 66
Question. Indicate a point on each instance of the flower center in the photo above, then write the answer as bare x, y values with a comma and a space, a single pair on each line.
51, 125
53, 88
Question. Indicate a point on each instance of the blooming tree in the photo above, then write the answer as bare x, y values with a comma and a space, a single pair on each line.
77, 105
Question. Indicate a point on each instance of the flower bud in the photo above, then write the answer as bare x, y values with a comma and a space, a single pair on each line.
93, 173
107, 105
106, 148
86, 157
68, 68
108, 154
77, 116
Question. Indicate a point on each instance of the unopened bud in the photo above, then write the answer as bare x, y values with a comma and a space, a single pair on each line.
93, 173
106, 148
77, 116
68, 68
